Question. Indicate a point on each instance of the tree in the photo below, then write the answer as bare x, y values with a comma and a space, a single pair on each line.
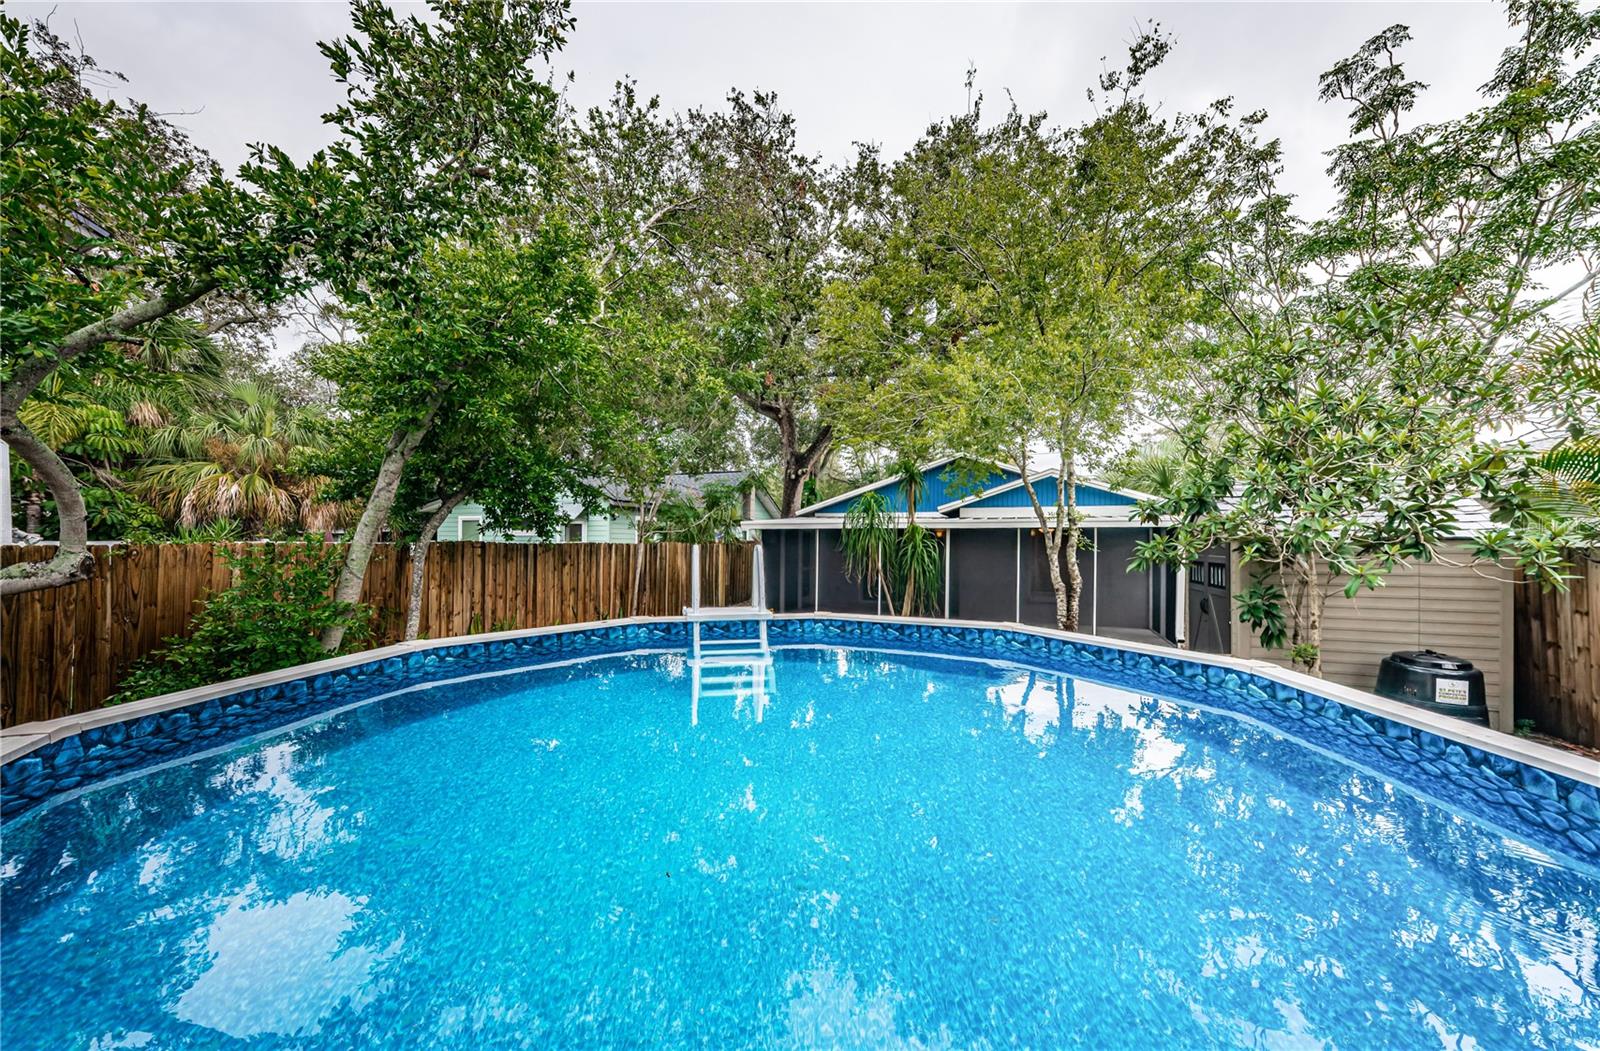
1030, 283
1151, 468
99, 423
761, 244
514, 471
714, 226
629, 188
238, 458
1363, 360
476, 323
513, 447
1562, 377
114, 223
1326, 456
713, 518
905, 566
669, 417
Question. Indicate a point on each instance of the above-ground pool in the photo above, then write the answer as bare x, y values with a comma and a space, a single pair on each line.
858, 847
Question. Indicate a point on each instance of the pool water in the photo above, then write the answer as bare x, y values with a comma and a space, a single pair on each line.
870, 851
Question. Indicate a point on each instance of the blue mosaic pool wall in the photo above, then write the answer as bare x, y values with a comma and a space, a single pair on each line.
1550, 810
120, 748
1553, 811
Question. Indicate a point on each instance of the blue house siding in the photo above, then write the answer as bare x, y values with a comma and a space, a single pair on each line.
1088, 496
939, 487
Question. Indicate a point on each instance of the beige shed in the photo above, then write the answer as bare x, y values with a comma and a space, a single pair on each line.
1450, 605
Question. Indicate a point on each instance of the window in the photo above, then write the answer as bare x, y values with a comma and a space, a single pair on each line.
1219, 574
574, 533
471, 528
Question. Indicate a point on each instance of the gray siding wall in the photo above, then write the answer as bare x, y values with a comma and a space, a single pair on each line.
1423, 605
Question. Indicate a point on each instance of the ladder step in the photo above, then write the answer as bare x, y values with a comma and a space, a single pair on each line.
721, 695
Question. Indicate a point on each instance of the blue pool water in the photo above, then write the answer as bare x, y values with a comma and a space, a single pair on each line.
881, 851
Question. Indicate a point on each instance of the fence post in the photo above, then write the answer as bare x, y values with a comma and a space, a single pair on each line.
694, 577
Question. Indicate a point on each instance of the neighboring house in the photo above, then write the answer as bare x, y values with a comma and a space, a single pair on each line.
617, 523
996, 567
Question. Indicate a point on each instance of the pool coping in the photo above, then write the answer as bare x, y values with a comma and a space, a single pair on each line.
24, 738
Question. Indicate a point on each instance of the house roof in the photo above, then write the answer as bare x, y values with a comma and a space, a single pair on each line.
1001, 503
940, 486
691, 485
939, 523
1469, 517
1091, 493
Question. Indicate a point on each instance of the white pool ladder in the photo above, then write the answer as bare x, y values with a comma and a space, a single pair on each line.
729, 667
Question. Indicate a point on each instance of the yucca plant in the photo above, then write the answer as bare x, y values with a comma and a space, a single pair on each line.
920, 569
868, 543
906, 565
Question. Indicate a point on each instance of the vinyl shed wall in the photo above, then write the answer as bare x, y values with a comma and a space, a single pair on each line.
1423, 605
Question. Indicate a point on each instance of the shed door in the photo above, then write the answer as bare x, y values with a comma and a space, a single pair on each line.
1210, 613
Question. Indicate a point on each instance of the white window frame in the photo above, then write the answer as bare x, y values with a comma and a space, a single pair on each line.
461, 529
583, 532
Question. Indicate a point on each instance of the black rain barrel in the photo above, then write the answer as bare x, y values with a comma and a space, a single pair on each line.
1435, 682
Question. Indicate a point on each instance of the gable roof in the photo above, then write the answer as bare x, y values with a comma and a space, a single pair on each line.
1012, 494
940, 485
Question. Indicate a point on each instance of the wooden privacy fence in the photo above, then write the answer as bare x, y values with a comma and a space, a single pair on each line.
63, 650
1558, 656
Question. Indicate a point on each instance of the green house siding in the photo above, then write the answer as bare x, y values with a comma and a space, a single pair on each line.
465, 523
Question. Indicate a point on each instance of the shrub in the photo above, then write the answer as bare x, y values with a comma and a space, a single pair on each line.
271, 617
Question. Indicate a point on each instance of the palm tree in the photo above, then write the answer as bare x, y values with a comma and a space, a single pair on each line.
239, 459
1153, 468
98, 420
1564, 372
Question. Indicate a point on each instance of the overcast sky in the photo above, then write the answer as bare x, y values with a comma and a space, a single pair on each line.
236, 73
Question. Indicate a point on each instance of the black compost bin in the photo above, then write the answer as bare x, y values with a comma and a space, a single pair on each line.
1435, 682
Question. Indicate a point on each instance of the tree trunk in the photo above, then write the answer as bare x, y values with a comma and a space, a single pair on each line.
908, 602
1060, 530
645, 524
419, 563
33, 512
1308, 614
1073, 535
799, 465
72, 561
883, 582
1314, 639
401, 445
1052, 555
